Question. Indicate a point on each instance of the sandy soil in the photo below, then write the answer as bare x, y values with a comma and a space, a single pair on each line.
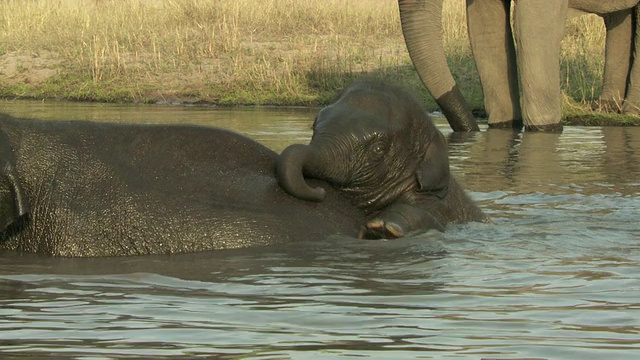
28, 67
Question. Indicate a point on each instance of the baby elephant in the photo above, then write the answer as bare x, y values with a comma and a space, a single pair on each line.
378, 146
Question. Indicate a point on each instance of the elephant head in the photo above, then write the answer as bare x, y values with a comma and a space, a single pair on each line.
422, 29
375, 144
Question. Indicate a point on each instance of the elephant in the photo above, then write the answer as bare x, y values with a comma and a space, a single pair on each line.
86, 189
378, 146
533, 70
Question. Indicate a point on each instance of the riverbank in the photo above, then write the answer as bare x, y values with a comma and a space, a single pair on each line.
244, 52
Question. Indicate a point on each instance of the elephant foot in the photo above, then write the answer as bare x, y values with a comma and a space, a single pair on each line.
379, 229
511, 124
398, 220
544, 128
629, 109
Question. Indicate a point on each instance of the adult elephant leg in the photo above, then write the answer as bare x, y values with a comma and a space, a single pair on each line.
539, 29
422, 29
495, 57
632, 101
617, 59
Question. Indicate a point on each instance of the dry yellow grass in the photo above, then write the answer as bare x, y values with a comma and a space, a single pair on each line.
235, 51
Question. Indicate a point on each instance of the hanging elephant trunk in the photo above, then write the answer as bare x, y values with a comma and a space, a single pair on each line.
291, 167
424, 42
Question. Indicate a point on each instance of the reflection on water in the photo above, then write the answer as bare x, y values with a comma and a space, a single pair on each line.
557, 276
543, 162
276, 127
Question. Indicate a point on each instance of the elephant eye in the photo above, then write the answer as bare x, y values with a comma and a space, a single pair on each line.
378, 148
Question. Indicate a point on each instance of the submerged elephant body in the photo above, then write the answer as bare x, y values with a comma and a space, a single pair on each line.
376, 161
91, 189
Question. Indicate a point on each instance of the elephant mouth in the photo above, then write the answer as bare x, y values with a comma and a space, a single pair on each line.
371, 198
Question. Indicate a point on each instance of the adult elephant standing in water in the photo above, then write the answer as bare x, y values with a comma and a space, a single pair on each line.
535, 67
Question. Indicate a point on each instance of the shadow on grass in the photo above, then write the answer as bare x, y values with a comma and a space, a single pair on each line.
329, 81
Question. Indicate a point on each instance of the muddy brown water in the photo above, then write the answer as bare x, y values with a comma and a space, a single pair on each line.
556, 276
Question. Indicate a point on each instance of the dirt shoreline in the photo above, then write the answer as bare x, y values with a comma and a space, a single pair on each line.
28, 68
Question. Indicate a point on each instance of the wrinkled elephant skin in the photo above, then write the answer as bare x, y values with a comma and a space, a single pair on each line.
378, 146
95, 189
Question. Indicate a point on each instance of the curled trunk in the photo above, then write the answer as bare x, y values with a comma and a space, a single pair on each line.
422, 29
290, 173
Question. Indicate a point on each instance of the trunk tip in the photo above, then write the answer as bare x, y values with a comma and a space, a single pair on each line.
289, 172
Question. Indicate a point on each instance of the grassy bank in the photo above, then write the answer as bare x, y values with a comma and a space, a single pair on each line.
283, 52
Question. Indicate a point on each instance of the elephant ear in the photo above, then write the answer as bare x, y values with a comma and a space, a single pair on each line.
13, 203
433, 173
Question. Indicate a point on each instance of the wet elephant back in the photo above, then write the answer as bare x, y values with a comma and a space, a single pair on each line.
104, 189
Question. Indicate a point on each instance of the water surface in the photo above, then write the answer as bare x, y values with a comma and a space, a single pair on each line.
556, 276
